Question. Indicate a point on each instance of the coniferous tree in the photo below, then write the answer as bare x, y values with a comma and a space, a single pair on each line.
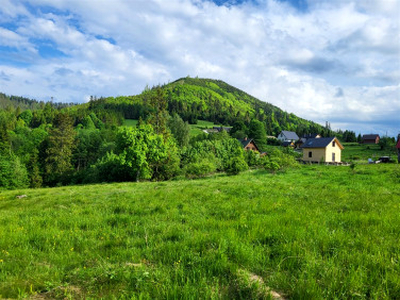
158, 116
257, 132
61, 142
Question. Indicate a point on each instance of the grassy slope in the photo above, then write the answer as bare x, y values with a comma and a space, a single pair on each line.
360, 152
130, 122
195, 129
314, 232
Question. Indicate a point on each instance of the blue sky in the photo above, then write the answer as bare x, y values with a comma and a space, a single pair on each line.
336, 61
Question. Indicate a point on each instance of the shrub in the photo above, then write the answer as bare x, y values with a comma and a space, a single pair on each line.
236, 165
109, 168
200, 169
252, 158
277, 160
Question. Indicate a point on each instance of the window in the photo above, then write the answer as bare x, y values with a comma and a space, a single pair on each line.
333, 157
310, 154
333, 144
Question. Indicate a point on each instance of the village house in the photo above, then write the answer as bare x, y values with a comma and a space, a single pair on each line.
322, 150
288, 136
370, 139
305, 137
249, 144
221, 128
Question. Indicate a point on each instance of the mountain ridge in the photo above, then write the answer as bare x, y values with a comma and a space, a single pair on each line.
197, 99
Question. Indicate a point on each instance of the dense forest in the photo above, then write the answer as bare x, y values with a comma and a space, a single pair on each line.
23, 103
212, 100
50, 144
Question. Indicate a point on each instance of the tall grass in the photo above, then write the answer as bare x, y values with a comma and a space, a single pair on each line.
311, 233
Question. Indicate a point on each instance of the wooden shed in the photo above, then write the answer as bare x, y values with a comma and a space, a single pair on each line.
370, 139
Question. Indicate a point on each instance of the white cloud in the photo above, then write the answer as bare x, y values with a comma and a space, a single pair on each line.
9, 9
10, 38
295, 60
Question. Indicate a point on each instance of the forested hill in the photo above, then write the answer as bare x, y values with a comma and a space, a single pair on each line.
13, 102
191, 98
212, 100
217, 101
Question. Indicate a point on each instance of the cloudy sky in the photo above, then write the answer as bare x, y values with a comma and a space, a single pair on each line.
336, 61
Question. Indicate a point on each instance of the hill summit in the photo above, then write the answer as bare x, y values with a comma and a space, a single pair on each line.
211, 100
219, 102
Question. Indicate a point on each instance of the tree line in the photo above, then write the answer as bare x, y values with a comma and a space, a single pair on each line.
51, 144
83, 144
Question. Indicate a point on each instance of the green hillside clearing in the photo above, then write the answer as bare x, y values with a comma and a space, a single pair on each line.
195, 129
361, 152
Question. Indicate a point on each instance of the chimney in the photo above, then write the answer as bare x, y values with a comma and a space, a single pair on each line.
245, 138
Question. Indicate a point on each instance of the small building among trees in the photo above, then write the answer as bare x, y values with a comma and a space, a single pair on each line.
370, 139
288, 136
322, 150
249, 144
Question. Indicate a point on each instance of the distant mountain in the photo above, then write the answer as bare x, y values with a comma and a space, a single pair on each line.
217, 101
211, 100
7, 102
15, 101
193, 99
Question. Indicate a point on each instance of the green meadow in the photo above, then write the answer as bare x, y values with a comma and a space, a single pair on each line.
361, 152
312, 232
195, 129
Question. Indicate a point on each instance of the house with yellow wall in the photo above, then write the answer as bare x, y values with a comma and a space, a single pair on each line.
322, 150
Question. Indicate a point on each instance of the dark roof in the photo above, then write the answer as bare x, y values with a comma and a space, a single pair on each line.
370, 136
310, 135
398, 144
301, 140
290, 135
247, 141
220, 128
318, 142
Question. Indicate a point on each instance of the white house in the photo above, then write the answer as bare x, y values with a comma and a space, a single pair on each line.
288, 136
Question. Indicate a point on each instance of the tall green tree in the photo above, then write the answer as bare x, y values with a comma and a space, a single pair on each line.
179, 129
140, 154
257, 132
158, 114
60, 145
27, 116
13, 173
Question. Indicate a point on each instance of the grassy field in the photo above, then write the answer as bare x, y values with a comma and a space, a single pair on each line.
198, 128
130, 122
360, 153
195, 129
315, 232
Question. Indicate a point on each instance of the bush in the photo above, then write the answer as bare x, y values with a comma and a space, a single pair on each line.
200, 169
110, 168
236, 165
252, 158
277, 160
